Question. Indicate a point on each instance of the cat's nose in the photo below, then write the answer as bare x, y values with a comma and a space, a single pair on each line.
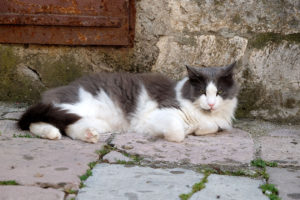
211, 105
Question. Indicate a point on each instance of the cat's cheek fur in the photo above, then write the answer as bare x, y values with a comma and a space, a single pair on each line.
202, 101
219, 102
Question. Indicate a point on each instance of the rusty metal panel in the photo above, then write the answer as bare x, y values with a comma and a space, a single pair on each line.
69, 22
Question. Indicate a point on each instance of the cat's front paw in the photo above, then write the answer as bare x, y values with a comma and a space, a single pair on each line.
175, 137
205, 131
91, 135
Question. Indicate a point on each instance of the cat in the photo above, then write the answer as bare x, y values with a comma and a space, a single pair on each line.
204, 102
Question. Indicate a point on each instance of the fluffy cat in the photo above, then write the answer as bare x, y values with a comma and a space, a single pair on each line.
201, 103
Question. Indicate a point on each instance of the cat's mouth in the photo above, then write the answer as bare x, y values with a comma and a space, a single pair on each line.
208, 110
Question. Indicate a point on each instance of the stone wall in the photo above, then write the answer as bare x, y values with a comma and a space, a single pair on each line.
263, 36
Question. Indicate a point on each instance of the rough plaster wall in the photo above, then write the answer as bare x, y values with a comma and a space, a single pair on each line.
264, 36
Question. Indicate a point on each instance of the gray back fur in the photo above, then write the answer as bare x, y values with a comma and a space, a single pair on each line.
123, 88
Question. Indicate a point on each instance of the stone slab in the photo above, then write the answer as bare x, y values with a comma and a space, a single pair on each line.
286, 133
230, 188
118, 182
12, 115
46, 163
8, 128
258, 128
11, 107
231, 148
28, 192
287, 182
114, 157
281, 146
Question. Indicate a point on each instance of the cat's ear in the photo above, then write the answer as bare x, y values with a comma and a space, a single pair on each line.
227, 74
228, 70
192, 72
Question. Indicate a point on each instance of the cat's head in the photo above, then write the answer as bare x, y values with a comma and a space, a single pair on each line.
210, 87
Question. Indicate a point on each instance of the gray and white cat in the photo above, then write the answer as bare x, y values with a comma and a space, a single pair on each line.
201, 103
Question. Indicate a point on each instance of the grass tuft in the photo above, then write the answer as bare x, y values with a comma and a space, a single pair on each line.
27, 135
196, 187
9, 182
123, 162
271, 191
105, 150
87, 174
70, 191
263, 164
93, 164
82, 185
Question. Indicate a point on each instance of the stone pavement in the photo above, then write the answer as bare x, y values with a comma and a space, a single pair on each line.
132, 166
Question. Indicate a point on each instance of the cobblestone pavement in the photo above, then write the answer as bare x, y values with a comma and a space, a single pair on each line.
255, 160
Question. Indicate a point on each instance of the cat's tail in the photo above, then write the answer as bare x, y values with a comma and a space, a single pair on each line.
47, 113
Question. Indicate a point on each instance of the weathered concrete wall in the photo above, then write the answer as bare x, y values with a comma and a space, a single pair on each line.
264, 36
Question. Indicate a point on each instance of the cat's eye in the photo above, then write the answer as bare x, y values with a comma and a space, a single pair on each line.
220, 92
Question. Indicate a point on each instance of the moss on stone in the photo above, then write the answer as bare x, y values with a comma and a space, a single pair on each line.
218, 2
188, 40
236, 19
60, 72
290, 103
248, 98
120, 59
262, 39
199, 2
14, 87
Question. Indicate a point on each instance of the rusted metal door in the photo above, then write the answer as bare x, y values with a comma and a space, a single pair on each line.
69, 22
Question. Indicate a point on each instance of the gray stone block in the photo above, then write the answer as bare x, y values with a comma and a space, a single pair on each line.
283, 147
230, 188
287, 182
8, 128
29, 192
114, 157
118, 182
230, 148
44, 162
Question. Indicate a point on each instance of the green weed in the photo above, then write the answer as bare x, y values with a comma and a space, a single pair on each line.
9, 182
196, 187
92, 164
271, 191
70, 191
27, 135
105, 150
262, 164
87, 174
